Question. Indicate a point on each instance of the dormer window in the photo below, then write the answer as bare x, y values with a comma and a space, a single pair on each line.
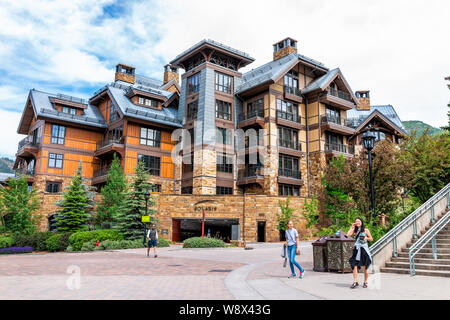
69, 110
147, 102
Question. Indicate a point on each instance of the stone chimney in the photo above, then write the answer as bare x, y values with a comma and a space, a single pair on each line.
170, 72
283, 48
124, 73
364, 99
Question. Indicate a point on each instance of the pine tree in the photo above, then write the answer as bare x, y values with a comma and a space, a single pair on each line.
17, 206
76, 205
128, 222
113, 195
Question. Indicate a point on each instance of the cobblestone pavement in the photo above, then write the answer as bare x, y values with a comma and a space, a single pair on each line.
222, 273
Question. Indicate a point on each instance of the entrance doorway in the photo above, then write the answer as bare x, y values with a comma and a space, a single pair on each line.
261, 231
183, 229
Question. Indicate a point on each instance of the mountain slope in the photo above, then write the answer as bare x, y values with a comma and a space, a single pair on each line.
6, 165
420, 127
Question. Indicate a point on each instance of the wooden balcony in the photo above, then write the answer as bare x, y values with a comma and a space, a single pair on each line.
100, 175
252, 118
251, 175
293, 94
289, 147
338, 99
288, 119
289, 176
28, 148
109, 146
337, 125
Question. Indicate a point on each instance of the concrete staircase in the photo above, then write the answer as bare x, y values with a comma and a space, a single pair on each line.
424, 262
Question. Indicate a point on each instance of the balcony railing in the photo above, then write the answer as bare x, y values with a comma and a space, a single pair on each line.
254, 171
102, 171
288, 116
295, 145
336, 120
252, 114
339, 94
109, 141
27, 141
339, 148
292, 90
290, 173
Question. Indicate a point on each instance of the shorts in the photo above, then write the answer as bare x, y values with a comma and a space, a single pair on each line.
152, 243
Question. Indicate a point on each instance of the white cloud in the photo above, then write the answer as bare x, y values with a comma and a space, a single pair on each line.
9, 138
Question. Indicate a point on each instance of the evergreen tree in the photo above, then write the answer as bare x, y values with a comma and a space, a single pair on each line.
128, 222
113, 195
17, 205
76, 205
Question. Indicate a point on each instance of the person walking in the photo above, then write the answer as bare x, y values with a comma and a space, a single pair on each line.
152, 236
293, 249
361, 254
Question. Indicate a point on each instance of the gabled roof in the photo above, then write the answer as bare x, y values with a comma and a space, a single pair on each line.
273, 70
358, 118
324, 81
43, 107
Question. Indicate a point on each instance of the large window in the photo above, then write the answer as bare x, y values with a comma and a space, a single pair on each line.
223, 83
53, 187
192, 109
58, 134
291, 79
288, 167
152, 164
255, 106
113, 113
224, 190
333, 115
55, 160
224, 164
148, 102
333, 139
193, 83
223, 135
223, 110
287, 110
150, 137
288, 138
288, 190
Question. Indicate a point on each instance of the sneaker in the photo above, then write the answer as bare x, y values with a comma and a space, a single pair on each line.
301, 275
291, 276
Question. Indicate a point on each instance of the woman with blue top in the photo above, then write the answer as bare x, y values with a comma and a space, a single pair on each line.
361, 254
293, 249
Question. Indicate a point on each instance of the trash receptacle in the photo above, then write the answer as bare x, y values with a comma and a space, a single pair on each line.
320, 254
339, 251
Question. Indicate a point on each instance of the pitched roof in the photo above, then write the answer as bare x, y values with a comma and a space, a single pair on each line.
357, 117
43, 107
272, 70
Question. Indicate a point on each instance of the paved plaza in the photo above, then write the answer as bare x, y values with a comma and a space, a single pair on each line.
177, 273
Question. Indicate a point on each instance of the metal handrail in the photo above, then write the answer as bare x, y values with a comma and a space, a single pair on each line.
430, 235
392, 234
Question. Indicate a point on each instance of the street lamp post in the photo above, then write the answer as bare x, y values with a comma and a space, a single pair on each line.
368, 140
203, 214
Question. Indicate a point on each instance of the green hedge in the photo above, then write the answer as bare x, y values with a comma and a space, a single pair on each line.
163, 242
199, 242
37, 240
77, 239
6, 242
52, 242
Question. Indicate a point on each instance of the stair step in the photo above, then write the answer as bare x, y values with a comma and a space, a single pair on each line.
429, 250
429, 245
419, 266
438, 241
422, 260
433, 273
424, 255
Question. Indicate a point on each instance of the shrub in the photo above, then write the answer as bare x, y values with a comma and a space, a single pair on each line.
63, 240
88, 246
163, 243
52, 242
77, 239
37, 240
12, 250
69, 249
199, 242
6, 242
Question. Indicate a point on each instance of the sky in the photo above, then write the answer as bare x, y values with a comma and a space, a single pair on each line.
399, 50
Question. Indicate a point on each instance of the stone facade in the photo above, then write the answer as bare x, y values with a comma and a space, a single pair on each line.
124, 77
283, 52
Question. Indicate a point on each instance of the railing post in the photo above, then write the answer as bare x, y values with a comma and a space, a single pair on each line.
415, 236
412, 267
432, 220
433, 246
394, 246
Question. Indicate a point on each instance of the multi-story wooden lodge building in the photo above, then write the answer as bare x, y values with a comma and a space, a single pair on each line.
242, 141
